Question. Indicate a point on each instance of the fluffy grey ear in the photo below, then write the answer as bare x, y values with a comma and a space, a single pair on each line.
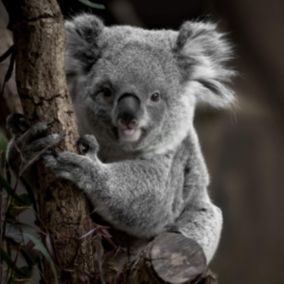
82, 50
201, 54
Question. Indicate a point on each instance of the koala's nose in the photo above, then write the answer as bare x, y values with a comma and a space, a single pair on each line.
128, 107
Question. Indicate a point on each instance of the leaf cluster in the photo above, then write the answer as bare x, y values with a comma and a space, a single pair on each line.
22, 249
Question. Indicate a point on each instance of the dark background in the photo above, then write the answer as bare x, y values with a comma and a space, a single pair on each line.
244, 147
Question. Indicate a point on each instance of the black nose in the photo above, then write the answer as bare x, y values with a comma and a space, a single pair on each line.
128, 107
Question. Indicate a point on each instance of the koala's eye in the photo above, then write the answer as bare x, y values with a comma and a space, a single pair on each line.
155, 97
105, 93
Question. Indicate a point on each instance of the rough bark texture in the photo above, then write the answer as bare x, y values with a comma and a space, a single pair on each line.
39, 40
171, 258
64, 216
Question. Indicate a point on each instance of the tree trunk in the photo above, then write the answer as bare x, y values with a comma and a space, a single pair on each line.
64, 215
64, 212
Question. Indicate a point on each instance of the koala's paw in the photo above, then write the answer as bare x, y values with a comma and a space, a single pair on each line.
73, 167
29, 142
88, 145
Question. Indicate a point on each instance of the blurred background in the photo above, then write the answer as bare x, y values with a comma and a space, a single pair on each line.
244, 148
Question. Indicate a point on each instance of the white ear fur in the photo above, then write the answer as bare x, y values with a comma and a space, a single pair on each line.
82, 34
202, 53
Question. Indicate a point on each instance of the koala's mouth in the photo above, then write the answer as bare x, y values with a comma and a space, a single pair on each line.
129, 134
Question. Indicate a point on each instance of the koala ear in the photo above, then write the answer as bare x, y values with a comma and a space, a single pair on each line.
82, 50
201, 54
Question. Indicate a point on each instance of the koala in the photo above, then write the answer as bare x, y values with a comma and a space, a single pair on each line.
134, 93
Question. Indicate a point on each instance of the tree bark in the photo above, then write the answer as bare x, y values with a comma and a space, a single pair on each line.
64, 212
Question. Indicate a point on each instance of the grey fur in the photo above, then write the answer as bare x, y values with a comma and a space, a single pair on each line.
159, 180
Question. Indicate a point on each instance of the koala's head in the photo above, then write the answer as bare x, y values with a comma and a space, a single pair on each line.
137, 89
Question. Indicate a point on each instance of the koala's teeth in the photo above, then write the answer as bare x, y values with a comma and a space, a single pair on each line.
129, 134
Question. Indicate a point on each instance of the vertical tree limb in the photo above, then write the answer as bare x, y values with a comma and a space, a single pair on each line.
39, 39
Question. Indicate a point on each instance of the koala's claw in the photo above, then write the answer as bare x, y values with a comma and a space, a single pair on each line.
45, 143
87, 144
17, 124
52, 162
29, 142
37, 131
68, 165
64, 161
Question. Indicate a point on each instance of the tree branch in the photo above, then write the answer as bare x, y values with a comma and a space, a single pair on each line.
64, 216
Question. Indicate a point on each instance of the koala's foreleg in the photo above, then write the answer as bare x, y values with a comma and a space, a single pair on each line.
131, 195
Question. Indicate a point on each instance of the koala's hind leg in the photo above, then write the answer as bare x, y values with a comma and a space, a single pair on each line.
202, 222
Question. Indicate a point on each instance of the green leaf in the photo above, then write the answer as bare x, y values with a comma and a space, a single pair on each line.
3, 141
22, 272
10, 191
15, 239
6, 185
39, 246
92, 5
24, 200
6, 258
15, 231
23, 275
30, 193
17, 206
